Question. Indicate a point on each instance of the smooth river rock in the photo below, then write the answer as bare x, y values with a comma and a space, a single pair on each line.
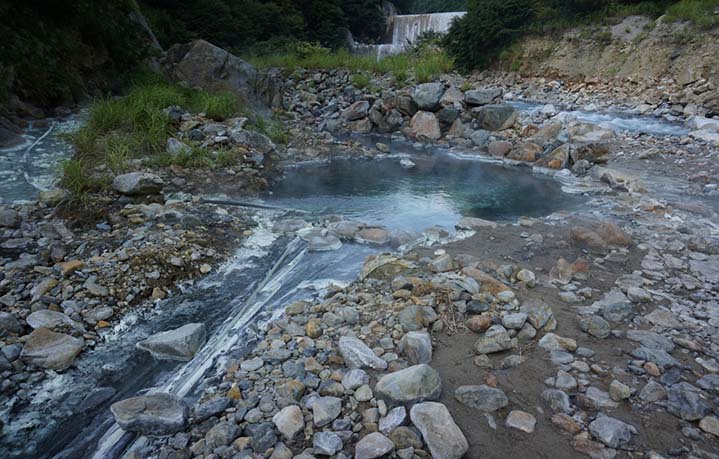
411, 385
179, 344
152, 414
443, 437
483, 398
48, 349
137, 183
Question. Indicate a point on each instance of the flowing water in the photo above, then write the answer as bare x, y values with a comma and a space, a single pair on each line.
616, 121
406, 30
32, 166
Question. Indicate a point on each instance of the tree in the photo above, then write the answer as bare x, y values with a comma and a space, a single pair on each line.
489, 25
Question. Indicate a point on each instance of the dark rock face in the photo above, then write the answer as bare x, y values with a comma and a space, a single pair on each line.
203, 65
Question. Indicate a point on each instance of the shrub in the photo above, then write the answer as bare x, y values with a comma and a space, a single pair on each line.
360, 80
700, 12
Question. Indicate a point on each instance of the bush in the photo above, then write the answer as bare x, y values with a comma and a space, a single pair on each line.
700, 12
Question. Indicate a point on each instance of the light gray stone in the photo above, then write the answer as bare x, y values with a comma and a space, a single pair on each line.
152, 414
441, 434
179, 344
410, 385
357, 354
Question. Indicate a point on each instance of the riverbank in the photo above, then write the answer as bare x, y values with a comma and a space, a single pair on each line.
649, 189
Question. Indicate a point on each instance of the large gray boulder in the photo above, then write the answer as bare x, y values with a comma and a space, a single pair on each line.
137, 183
179, 344
441, 434
411, 385
152, 414
428, 95
48, 349
496, 117
200, 64
482, 96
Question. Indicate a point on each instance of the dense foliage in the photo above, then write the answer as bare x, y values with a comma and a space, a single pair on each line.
251, 25
430, 6
53, 49
492, 26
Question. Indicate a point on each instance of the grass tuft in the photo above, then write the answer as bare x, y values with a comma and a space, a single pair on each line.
426, 66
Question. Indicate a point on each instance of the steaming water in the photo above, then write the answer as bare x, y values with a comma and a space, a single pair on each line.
437, 191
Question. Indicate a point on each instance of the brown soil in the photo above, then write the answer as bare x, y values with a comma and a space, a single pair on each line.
453, 357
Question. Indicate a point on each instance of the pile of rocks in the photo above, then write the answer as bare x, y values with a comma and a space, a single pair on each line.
61, 289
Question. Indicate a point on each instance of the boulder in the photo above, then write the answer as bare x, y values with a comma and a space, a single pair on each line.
137, 183
9, 139
152, 414
357, 355
411, 385
200, 64
406, 105
499, 148
557, 158
441, 434
525, 151
255, 141
687, 402
482, 398
496, 339
326, 410
373, 446
47, 349
496, 117
482, 96
289, 421
326, 443
179, 344
428, 95
612, 432
521, 420
424, 126
473, 223
452, 96
356, 111
46, 318
417, 347
177, 147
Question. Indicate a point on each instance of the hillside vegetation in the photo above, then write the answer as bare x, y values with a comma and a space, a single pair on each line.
492, 26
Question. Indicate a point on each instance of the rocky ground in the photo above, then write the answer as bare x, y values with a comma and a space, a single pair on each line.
584, 334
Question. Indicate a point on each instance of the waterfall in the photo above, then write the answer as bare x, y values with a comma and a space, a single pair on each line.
406, 29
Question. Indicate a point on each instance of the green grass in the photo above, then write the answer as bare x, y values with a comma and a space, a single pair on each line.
699, 12
423, 66
360, 80
136, 125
